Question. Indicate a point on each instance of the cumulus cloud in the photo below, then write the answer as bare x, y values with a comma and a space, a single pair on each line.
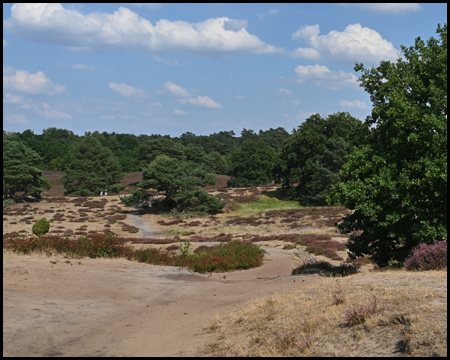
201, 101
388, 8
174, 89
23, 81
52, 23
126, 90
179, 112
355, 43
17, 119
12, 99
284, 92
235, 25
322, 76
357, 104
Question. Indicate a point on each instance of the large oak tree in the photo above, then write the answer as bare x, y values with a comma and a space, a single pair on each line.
397, 182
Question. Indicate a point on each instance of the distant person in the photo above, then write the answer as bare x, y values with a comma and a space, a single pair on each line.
106, 192
101, 193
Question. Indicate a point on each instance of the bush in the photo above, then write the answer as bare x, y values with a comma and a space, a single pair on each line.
41, 227
359, 314
428, 257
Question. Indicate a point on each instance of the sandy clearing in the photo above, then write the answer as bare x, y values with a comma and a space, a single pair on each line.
93, 307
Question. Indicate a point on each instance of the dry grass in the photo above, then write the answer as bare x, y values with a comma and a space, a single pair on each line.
306, 322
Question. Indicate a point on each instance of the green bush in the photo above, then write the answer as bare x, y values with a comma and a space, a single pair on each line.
41, 227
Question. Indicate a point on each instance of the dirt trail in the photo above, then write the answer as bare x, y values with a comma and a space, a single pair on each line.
144, 225
91, 307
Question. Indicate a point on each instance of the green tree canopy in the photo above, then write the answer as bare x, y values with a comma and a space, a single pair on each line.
93, 169
397, 182
314, 154
252, 164
19, 171
179, 182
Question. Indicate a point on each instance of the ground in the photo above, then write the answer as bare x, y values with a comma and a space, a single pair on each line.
56, 306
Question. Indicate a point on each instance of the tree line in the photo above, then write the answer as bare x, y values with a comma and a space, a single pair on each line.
390, 169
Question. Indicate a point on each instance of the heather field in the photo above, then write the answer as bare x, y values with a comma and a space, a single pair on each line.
265, 277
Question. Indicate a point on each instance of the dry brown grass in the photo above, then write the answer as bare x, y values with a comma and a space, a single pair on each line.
306, 322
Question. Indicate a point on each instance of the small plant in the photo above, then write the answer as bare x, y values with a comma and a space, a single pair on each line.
428, 257
301, 254
338, 297
359, 314
185, 248
41, 227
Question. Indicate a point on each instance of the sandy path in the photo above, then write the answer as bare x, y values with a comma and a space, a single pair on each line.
104, 307
93, 307
141, 223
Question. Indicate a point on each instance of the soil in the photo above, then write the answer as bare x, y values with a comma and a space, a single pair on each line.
91, 307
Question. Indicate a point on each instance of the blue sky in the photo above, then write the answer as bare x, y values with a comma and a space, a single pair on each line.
203, 68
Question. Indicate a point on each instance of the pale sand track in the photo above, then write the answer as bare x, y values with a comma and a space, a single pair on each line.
93, 307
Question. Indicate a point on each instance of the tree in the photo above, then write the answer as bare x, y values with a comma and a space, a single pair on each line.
179, 181
397, 182
19, 171
314, 154
252, 164
93, 169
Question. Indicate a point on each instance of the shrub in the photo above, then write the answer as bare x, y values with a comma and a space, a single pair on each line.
359, 314
41, 227
428, 257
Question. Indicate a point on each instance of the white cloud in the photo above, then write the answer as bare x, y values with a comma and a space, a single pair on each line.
174, 89
126, 90
355, 43
389, 8
16, 119
357, 104
46, 111
270, 12
306, 53
284, 92
87, 67
54, 114
201, 101
12, 99
239, 97
22, 80
165, 61
52, 23
5, 43
179, 112
235, 25
295, 102
324, 77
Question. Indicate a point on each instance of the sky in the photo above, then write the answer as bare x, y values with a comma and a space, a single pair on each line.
202, 68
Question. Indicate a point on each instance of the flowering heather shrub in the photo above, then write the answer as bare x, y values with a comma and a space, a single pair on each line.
338, 297
428, 257
359, 314
172, 247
